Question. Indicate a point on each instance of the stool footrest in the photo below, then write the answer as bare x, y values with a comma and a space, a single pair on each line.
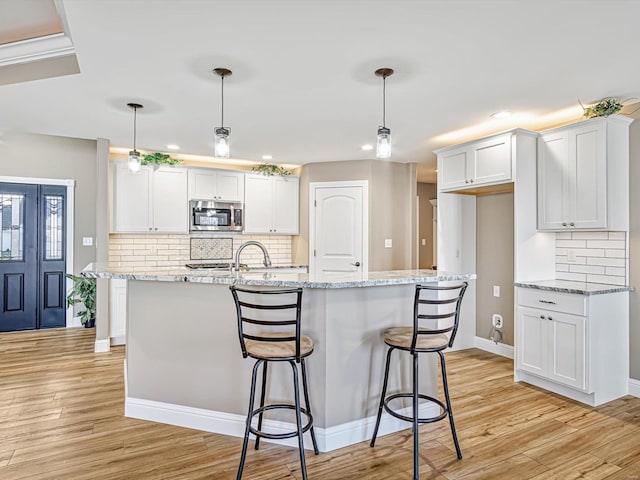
407, 418
280, 406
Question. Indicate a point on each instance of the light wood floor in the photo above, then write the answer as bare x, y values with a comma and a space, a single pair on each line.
61, 417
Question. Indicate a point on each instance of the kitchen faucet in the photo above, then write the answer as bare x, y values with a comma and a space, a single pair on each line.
267, 260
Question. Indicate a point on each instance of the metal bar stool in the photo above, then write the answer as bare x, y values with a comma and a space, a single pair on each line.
444, 316
264, 309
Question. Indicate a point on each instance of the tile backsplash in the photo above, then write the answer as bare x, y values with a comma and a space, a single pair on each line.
141, 251
597, 257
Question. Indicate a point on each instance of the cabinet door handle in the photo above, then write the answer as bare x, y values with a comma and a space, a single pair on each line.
150, 228
572, 224
542, 317
564, 224
547, 301
471, 181
549, 318
466, 181
156, 228
357, 264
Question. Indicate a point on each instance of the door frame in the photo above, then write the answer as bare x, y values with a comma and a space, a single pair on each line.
313, 186
70, 184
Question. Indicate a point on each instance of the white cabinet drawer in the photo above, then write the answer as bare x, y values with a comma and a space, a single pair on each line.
558, 302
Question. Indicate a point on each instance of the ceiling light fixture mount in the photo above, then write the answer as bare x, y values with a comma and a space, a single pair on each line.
134, 156
222, 133
501, 114
383, 144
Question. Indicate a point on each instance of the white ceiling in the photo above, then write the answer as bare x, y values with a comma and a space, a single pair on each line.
303, 87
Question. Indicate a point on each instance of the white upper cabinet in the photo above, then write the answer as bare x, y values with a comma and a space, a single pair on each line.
209, 184
272, 204
151, 201
482, 162
583, 176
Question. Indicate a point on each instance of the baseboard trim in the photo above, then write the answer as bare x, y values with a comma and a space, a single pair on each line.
102, 346
119, 340
634, 387
501, 349
328, 439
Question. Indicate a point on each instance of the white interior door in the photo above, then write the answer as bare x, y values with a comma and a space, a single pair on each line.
338, 229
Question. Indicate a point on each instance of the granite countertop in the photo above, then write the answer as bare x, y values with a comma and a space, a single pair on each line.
567, 286
277, 277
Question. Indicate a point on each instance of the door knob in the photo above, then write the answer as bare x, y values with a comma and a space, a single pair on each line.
357, 264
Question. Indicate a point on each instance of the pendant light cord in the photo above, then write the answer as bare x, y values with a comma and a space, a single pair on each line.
222, 101
135, 113
384, 100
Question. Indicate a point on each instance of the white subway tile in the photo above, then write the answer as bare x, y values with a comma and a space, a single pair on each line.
562, 267
571, 243
617, 236
607, 262
562, 251
606, 279
576, 277
616, 271
590, 235
615, 254
606, 244
563, 236
589, 252
587, 269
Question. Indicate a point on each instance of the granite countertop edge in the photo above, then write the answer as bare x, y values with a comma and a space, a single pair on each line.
397, 277
581, 288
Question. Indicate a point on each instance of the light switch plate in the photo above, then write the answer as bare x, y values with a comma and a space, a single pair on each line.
496, 290
424, 242
388, 243
87, 241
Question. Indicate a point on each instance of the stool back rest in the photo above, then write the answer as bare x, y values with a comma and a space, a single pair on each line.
268, 309
443, 311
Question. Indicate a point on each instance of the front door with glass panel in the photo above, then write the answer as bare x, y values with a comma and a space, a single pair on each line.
32, 256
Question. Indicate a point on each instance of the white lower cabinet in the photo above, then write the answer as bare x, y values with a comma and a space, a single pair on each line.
574, 345
118, 311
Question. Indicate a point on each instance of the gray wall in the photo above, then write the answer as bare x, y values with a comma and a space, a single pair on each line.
426, 192
392, 193
45, 156
634, 248
494, 260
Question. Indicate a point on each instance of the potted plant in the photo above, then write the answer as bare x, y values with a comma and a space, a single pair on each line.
84, 291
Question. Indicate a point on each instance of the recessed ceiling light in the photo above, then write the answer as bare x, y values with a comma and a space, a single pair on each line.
501, 114
367, 147
267, 157
173, 147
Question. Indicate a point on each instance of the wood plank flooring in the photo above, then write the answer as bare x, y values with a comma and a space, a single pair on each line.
61, 417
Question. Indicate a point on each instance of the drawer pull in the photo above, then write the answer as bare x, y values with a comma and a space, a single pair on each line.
547, 301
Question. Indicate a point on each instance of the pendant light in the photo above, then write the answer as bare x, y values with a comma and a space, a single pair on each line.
222, 133
383, 146
134, 155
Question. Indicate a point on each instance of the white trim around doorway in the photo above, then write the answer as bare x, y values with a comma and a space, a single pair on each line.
70, 184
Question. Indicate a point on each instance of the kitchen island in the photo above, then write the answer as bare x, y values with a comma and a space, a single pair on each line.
184, 365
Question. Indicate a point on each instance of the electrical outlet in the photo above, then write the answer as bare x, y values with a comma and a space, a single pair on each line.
388, 243
496, 320
496, 290
87, 241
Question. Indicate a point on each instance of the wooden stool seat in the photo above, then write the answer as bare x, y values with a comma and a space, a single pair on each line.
402, 337
271, 350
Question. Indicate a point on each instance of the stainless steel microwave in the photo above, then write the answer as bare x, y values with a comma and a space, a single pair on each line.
208, 215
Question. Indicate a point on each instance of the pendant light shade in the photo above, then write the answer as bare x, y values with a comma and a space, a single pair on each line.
134, 155
221, 133
383, 144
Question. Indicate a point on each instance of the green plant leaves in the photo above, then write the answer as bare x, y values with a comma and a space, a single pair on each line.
158, 158
270, 169
603, 108
84, 291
